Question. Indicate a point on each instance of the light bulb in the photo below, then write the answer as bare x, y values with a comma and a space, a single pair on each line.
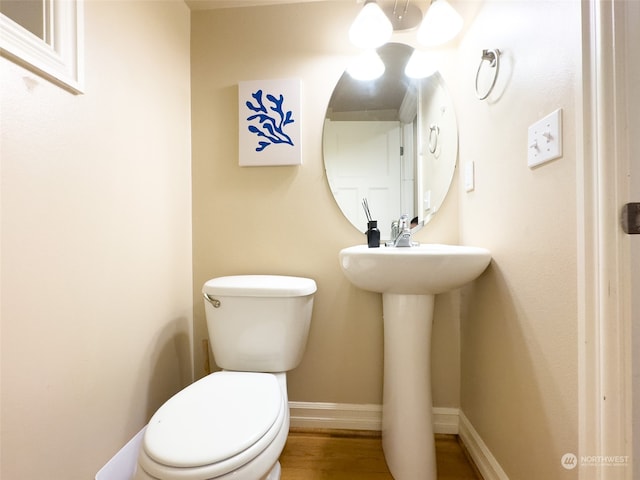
440, 24
419, 65
371, 28
367, 66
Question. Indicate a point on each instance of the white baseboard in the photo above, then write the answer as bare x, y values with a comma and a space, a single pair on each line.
339, 416
488, 466
445, 420
348, 416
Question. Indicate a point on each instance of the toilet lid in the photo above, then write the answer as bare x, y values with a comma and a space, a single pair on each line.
213, 419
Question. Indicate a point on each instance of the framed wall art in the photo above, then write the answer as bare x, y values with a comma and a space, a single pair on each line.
269, 116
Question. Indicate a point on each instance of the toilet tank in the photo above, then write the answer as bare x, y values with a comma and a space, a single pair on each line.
258, 323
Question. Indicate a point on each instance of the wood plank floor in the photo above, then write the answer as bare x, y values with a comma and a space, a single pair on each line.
350, 455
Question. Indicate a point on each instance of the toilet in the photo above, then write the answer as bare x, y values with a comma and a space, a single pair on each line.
233, 424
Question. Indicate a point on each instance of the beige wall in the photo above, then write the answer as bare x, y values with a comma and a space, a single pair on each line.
284, 220
519, 385
96, 243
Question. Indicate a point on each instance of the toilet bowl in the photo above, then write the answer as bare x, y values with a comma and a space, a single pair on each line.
226, 425
233, 424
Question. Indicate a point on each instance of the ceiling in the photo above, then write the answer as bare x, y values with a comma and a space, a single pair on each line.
383, 94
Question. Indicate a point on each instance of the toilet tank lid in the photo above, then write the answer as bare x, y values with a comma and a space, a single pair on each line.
260, 286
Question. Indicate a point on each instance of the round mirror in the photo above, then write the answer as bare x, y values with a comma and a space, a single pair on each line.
393, 141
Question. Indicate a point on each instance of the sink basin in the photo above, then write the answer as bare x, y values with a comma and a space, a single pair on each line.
425, 269
409, 279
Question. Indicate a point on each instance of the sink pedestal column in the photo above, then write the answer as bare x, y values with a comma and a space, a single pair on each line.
407, 423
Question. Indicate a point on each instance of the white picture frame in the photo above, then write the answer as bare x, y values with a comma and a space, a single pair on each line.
60, 56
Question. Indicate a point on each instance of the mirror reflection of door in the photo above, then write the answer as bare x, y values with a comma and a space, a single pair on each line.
30, 14
366, 166
373, 160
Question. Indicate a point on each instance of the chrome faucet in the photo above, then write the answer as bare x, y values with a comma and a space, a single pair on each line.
401, 233
394, 232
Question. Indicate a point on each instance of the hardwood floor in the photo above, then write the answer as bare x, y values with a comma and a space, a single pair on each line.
351, 455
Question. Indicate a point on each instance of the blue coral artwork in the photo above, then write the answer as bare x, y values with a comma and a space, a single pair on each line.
269, 115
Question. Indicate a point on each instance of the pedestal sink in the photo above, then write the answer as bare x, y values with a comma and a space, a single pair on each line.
409, 278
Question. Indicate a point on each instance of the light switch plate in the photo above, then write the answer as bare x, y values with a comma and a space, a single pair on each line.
469, 177
427, 201
544, 141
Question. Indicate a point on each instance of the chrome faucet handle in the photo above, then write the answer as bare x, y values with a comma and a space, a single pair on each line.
403, 223
395, 230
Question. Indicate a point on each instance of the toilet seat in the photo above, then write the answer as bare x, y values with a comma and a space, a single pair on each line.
214, 426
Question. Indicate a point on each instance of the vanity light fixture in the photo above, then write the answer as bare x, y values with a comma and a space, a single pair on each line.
420, 65
440, 24
374, 26
367, 66
371, 28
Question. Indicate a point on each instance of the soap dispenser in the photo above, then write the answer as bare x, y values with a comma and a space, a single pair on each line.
373, 234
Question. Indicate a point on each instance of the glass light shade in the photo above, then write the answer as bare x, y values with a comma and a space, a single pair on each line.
367, 66
419, 65
440, 24
371, 28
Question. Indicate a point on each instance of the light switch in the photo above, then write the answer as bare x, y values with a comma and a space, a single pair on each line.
544, 141
469, 177
427, 201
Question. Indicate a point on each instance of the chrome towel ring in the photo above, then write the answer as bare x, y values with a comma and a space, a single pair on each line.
493, 58
434, 133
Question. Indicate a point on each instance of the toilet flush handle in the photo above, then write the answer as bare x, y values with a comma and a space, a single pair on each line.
213, 301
